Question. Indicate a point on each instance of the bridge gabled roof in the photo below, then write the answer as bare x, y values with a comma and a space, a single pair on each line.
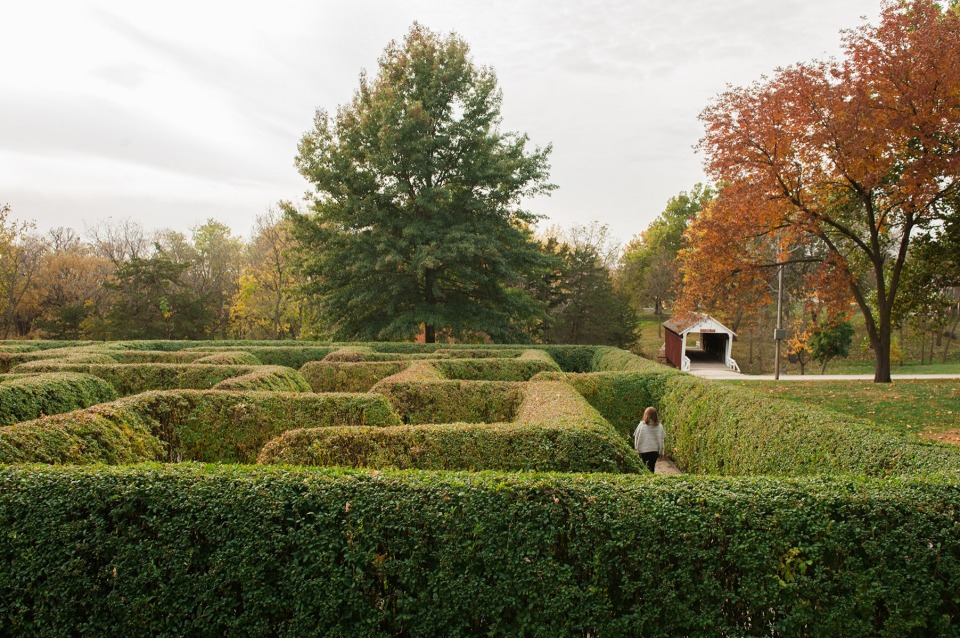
695, 322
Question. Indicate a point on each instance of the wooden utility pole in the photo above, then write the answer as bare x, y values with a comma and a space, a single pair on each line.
779, 334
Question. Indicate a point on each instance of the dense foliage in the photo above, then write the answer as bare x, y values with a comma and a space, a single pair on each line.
416, 220
846, 160
183, 548
26, 397
191, 550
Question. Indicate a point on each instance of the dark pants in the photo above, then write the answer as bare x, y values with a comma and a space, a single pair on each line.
650, 458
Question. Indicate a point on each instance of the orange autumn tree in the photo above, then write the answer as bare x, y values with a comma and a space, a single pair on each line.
855, 155
729, 267
729, 278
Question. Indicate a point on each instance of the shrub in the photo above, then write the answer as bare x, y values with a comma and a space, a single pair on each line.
475, 353
133, 378
554, 429
282, 355
271, 378
572, 358
367, 353
417, 371
101, 434
232, 358
23, 398
521, 369
344, 376
718, 429
158, 356
607, 359
10, 360
621, 397
453, 401
232, 427
192, 550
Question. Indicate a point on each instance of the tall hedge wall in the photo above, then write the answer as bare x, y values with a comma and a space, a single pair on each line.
191, 550
349, 376
184, 425
450, 401
133, 378
23, 398
554, 429
718, 429
267, 378
621, 397
520, 369
105, 433
232, 427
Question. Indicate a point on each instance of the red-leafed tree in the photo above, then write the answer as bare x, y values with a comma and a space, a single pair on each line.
852, 156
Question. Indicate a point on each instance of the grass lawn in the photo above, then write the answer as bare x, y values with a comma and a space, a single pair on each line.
913, 407
866, 367
648, 341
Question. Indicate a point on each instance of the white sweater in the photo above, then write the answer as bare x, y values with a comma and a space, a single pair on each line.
648, 438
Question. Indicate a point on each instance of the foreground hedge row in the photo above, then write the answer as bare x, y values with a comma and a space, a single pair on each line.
191, 550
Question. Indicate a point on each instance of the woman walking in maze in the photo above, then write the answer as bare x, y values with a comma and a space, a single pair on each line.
648, 438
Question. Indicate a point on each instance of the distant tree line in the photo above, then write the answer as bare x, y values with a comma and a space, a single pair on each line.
121, 281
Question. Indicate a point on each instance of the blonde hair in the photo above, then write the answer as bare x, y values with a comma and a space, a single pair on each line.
650, 416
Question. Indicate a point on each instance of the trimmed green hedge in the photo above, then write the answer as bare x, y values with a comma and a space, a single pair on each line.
133, 378
554, 429
622, 397
291, 354
105, 433
270, 378
158, 356
191, 550
349, 376
453, 401
366, 353
231, 358
232, 427
607, 359
572, 358
520, 369
719, 429
193, 425
280, 355
475, 353
422, 370
23, 398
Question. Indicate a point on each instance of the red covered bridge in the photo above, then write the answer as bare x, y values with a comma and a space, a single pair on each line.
713, 341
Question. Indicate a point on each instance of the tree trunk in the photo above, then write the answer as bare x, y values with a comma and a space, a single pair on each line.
429, 278
953, 331
881, 352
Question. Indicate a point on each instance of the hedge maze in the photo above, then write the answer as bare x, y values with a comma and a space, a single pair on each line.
263, 488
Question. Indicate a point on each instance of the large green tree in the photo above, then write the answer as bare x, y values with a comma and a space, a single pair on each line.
416, 223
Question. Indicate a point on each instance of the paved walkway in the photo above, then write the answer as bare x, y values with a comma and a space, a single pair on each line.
666, 466
721, 372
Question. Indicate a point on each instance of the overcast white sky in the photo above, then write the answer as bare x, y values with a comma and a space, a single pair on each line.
170, 113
